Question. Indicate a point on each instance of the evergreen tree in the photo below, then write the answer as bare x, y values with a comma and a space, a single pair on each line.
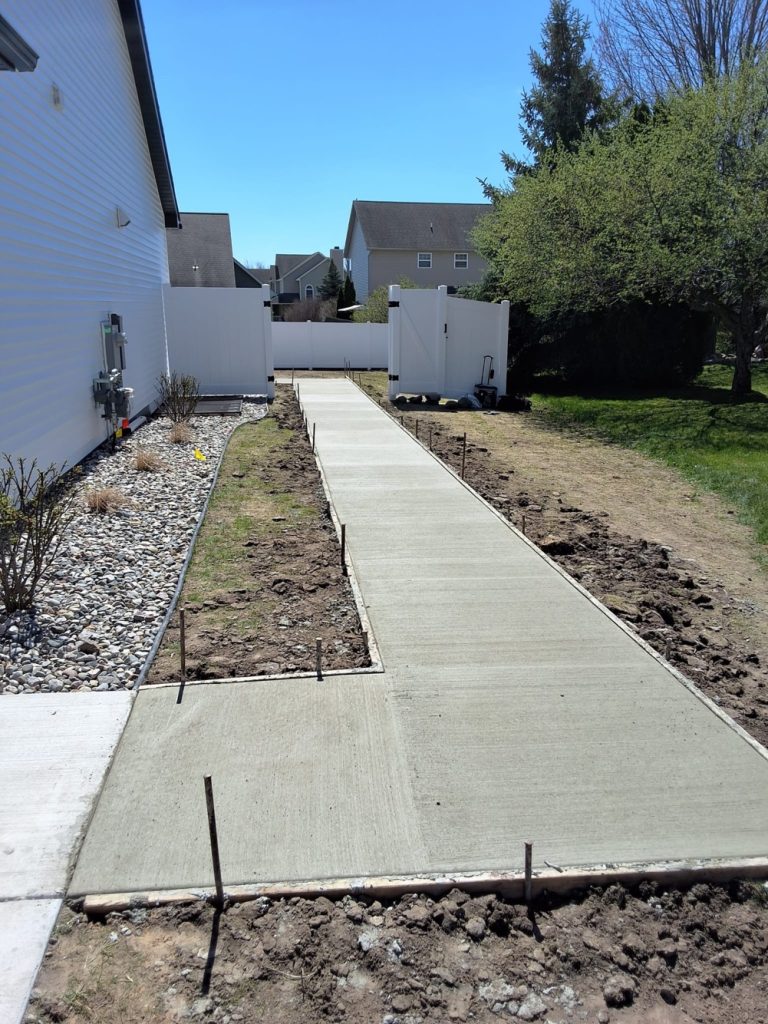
331, 284
347, 297
567, 98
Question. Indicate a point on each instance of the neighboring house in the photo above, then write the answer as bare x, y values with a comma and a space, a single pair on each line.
298, 276
86, 195
200, 251
429, 243
251, 277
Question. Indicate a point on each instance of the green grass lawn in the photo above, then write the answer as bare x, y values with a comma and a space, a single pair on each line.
719, 444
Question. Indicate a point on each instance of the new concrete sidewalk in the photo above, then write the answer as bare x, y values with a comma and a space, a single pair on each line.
54, 751
512, 707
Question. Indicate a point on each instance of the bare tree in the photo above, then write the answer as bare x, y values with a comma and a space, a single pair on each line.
647, 47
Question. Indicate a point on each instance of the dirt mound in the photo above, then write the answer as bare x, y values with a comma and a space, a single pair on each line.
652, 954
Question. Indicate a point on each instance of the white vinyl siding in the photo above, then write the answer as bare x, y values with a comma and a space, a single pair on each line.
64, 263
424, 261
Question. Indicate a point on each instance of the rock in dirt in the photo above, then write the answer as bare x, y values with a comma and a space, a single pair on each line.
532, 1007
619, 990
475, 928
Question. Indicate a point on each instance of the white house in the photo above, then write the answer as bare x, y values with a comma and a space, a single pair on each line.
86, 194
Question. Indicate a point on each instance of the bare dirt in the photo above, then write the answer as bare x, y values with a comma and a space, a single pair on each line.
266, 579
651, 955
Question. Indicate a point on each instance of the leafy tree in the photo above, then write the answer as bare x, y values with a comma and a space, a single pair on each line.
331, 284
376, 308
647, 47
670, 208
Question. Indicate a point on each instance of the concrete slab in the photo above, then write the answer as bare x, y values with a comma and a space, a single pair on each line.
24, 929
512, 707
54, 750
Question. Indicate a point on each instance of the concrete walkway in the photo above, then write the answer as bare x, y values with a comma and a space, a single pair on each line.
512, 707
54, 751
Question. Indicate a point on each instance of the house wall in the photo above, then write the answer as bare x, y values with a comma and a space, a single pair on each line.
358, 254
314, 277
64, 263
387, 266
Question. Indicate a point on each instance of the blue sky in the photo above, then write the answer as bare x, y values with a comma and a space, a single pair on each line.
281, 114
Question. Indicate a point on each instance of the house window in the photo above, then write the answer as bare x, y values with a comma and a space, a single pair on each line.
460, 260
424, 261
309, 292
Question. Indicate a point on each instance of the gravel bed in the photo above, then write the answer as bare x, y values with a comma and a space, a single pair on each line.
99, 609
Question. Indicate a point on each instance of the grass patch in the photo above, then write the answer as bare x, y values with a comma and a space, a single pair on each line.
718, 443
243, 507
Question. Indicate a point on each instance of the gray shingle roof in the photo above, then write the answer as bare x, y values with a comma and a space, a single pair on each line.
287, 262
204, 240
420, 226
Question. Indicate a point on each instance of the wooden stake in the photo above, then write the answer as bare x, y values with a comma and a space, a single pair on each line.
522, 525
319, 657
344, 549
214, 837
667, 649
463, 456
183, 643
528, 872
430, 438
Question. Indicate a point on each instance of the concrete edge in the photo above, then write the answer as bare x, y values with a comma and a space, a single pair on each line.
678, 675
331, 673
560, 881
365, 622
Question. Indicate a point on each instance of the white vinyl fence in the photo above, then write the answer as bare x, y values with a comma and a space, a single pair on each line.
222, 336
437, 342
320, 346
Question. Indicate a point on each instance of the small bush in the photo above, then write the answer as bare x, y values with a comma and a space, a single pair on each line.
179, 394
105, 499
180, 434
146, 461
36, 507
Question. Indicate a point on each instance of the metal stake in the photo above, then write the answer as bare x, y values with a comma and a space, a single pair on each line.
528, 872
343, 549
183, 643
214, 837
463, 456
319, 657
417, 430
522, 525
313, 437
430, 438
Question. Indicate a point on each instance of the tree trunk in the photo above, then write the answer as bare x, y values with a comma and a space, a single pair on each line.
744, 333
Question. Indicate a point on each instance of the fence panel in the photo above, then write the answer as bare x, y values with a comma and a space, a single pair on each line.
323, 346
222, 336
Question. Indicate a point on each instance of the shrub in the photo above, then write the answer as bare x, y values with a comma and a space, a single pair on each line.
179, 394
105, 499
147, 461
36, 507
180, 434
